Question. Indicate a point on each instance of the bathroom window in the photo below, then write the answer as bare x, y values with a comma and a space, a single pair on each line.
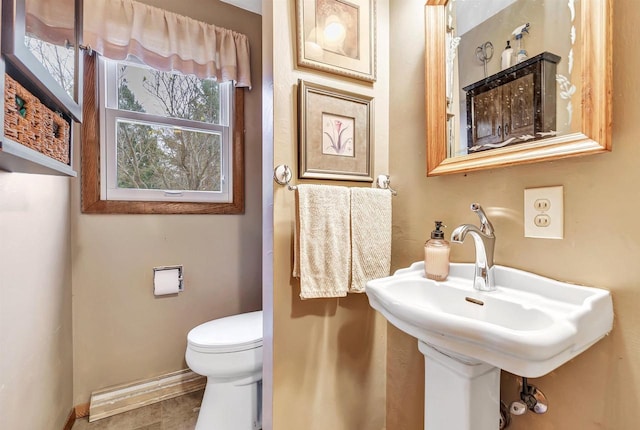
166, 135
163, 118
166, 142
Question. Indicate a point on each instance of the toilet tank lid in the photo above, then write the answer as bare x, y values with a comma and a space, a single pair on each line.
235, 330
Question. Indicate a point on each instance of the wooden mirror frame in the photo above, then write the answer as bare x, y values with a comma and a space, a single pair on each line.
596, 103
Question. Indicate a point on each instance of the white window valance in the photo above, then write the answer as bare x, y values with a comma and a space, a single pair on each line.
166, 41
53, 22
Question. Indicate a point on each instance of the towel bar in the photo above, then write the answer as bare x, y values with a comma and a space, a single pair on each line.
282, 175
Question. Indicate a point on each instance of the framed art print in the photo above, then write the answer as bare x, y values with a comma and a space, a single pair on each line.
335, 134
338, 36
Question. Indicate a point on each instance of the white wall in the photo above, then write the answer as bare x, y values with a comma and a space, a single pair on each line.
35, 302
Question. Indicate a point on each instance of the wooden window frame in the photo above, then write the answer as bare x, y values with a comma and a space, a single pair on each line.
91, 201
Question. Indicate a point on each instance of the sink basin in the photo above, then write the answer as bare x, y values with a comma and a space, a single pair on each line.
529, 326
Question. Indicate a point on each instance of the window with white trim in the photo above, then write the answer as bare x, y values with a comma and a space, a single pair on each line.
166, 136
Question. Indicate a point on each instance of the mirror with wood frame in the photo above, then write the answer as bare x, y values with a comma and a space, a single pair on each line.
516, 81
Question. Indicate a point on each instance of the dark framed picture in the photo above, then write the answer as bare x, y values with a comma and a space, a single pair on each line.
335, 131
338, 36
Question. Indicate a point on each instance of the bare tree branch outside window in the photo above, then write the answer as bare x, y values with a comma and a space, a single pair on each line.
156, 156
57, 60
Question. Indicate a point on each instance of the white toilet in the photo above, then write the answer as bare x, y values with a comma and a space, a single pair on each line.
228, 351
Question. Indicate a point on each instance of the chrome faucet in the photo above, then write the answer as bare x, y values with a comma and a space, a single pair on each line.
485, 240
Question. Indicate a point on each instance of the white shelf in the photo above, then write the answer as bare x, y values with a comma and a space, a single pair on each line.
15, 157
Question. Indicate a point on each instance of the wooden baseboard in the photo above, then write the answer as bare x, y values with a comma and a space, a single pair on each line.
122, 398
71, 420
82, 410
78, 411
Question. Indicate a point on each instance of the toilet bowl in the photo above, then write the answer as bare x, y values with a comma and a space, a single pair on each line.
228, 351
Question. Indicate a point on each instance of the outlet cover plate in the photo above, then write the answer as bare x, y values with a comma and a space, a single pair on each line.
546, 204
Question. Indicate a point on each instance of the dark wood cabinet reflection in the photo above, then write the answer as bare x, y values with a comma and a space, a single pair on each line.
514, 106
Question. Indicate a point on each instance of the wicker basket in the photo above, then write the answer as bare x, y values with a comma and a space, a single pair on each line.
37, 126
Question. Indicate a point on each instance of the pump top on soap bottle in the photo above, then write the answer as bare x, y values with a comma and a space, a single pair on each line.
436, 255
437, 233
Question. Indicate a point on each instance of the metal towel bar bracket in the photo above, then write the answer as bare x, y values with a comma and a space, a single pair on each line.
282, 175
384, 182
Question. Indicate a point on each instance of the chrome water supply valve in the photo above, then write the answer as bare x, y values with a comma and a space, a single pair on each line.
517, 408
533, 398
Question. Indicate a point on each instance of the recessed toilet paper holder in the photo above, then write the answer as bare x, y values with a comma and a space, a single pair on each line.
180, 275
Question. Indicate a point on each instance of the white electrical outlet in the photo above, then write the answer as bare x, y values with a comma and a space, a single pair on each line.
544, 212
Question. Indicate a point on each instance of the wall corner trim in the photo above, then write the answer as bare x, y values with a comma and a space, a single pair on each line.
71, 420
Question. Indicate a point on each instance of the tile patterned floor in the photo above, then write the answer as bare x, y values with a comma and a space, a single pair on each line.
179, 413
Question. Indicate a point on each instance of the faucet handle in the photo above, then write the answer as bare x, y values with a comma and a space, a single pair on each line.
486, 226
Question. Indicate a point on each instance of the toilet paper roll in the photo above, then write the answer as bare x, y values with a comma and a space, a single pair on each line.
166, 282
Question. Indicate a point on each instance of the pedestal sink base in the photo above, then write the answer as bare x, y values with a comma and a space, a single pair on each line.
460, 393
529, 326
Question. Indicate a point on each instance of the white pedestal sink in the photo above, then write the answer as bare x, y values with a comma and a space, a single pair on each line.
529, 326
459, 393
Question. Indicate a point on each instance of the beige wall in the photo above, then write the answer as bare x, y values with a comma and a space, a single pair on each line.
549, 32
600, 388
36, 379
329, 354
121, 331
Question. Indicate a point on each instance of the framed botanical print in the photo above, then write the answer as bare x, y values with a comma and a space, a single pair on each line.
335, 134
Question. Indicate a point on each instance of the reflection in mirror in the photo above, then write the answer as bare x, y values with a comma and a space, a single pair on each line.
50, 37
546, 92
510, 69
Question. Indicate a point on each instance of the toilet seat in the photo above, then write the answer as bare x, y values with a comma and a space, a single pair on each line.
229, 334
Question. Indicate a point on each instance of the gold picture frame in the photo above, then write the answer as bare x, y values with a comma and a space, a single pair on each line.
337, 36
335, 134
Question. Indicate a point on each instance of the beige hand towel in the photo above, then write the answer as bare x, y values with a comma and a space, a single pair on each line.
322, 251
370, 236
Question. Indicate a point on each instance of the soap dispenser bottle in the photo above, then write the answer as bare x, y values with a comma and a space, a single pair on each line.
507, 56
436, 255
